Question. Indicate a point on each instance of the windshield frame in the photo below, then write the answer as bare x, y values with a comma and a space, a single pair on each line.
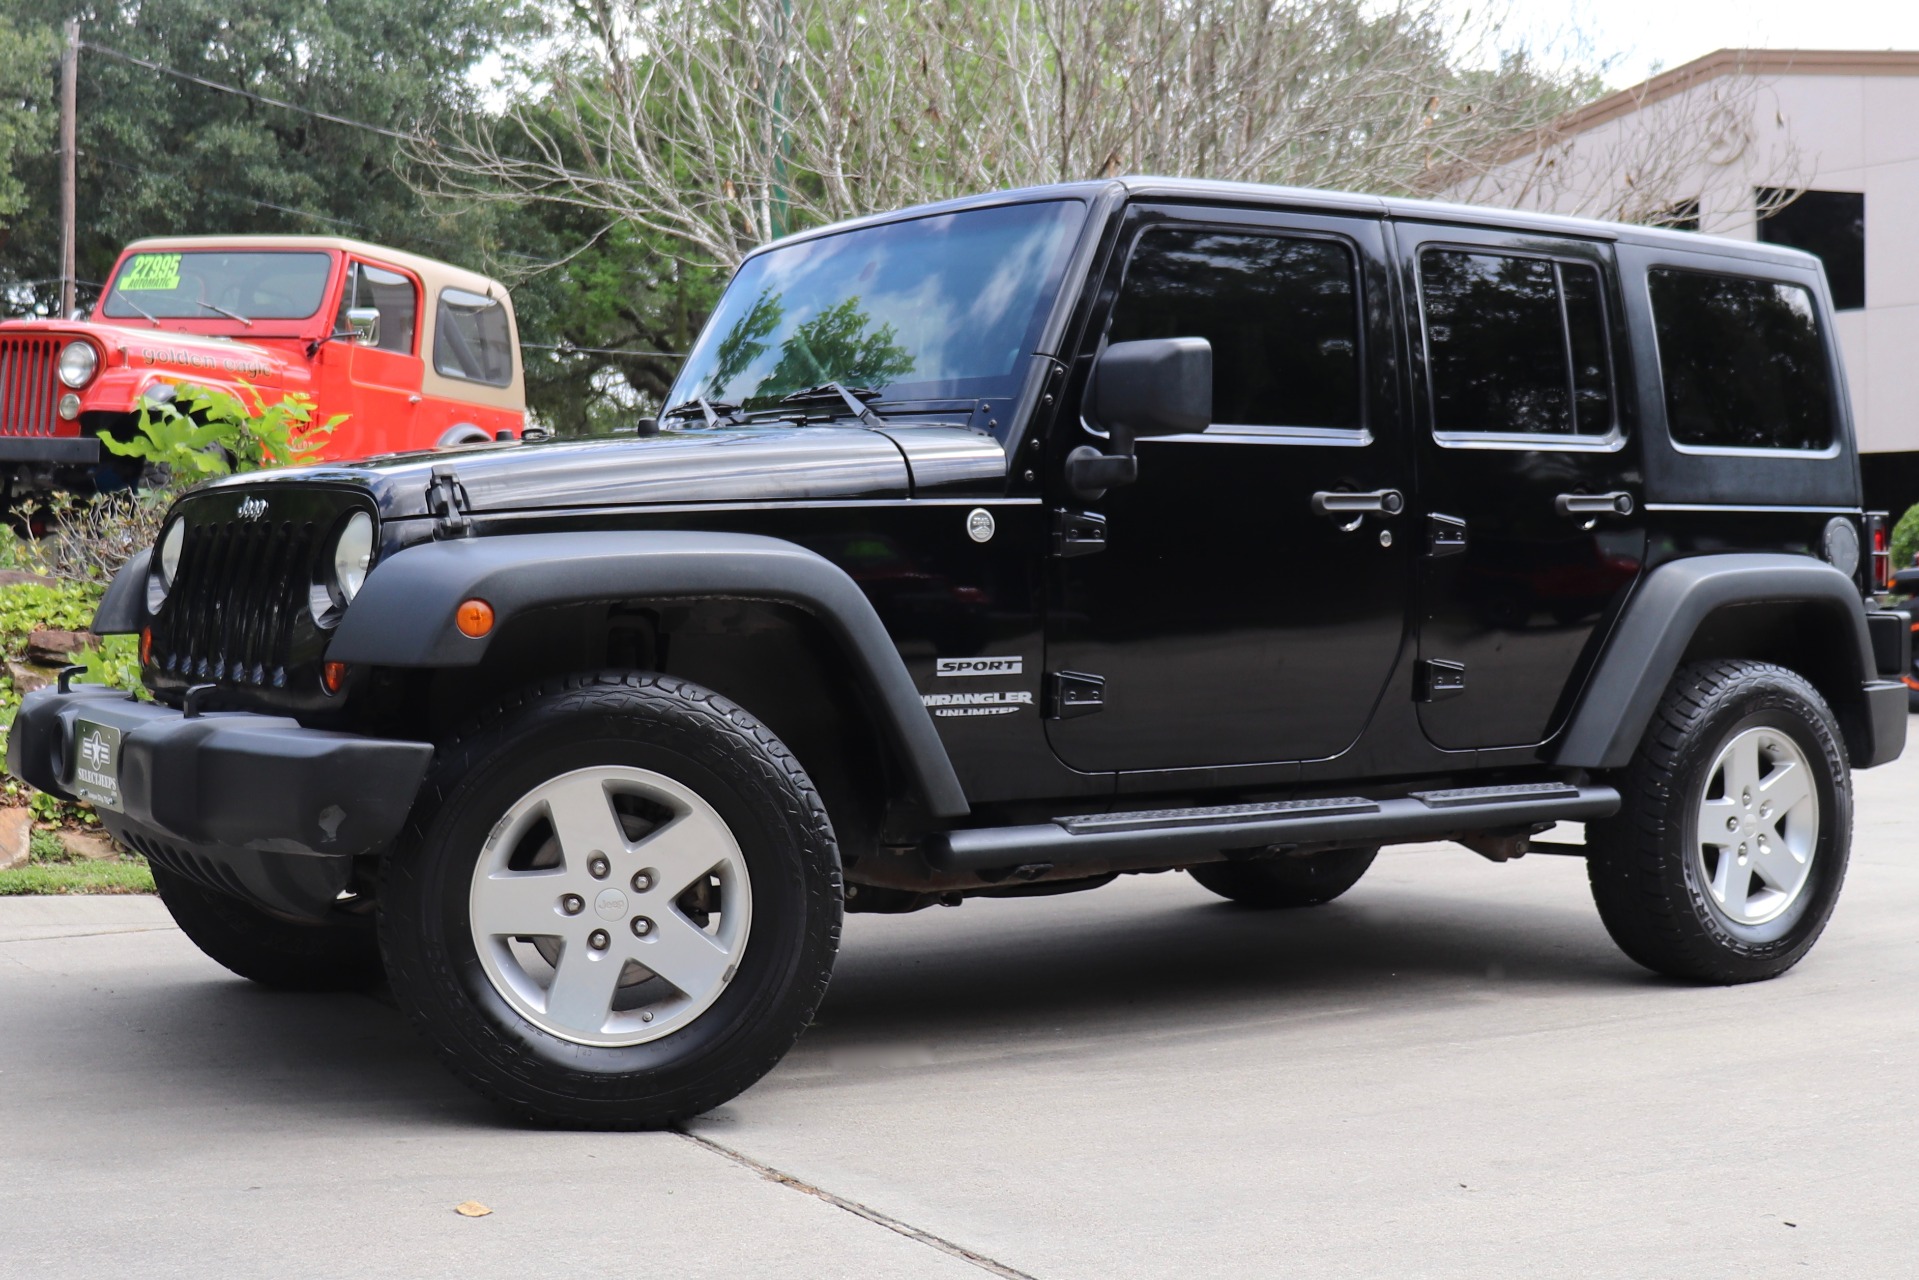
212, 322
1054, 299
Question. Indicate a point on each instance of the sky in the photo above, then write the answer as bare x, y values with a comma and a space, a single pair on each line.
1646, 36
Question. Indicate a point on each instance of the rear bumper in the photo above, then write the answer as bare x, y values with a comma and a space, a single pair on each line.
251, 805
77, 450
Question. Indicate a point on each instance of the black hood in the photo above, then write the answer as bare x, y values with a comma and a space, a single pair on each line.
736, 464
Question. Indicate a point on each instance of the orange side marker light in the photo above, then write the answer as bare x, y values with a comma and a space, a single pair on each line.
146, 645
333, 675
474, 618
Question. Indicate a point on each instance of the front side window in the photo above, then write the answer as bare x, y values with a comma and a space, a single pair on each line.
238, 288
1515, 346
1742, 361
1281, 312
472, 339
389, 293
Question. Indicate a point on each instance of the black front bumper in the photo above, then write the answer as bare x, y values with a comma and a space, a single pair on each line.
251, 805
81, 450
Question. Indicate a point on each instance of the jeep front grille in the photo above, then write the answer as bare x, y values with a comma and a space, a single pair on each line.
29, 386
230, 616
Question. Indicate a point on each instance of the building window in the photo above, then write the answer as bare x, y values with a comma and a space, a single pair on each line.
1831, 225
1281, 312
1681, 215
1743, 362
1515, 346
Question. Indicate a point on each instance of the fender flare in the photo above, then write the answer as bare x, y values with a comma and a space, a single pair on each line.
1658, 624
403, 616
123, 609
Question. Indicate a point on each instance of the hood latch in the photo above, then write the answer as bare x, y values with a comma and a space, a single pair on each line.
446, 499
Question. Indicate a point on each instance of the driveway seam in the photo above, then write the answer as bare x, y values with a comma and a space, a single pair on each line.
97, 933
857, 1209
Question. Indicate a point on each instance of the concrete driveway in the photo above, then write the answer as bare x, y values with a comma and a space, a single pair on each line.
1449, 1072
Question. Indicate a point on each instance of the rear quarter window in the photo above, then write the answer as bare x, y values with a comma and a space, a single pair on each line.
1742, 361
472, 340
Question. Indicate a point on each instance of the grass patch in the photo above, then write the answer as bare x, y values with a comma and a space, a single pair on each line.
126, 876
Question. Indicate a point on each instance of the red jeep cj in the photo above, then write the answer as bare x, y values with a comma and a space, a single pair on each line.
415, 352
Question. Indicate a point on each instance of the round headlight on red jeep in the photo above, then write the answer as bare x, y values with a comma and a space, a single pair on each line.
79, 361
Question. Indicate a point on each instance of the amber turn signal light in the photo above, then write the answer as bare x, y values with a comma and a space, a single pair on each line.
332, 676
474, 618
146, 645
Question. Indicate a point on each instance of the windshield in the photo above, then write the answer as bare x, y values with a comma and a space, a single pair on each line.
936, 308
217, 285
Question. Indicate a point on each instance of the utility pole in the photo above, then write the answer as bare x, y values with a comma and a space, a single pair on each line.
69, 132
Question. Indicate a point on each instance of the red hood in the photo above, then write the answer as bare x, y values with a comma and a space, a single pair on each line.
135, 356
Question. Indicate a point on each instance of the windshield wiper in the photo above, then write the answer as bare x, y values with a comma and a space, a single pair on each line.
231, 315
137, 307
854, 398
715, 412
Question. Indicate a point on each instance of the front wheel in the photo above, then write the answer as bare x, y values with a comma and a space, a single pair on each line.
619, 906
1730, 847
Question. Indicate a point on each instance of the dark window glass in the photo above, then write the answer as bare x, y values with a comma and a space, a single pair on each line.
1828, 224
389, 293
472, 340
213, 285
1515, 346
1682, 216
1282, 314
1742, 361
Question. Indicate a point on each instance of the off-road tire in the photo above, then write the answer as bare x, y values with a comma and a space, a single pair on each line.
339, 955
1644, 872
699, 739
1287, 881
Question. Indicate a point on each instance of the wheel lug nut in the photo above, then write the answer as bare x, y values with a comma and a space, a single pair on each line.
642, 881
598, 940
1745, 798
597, 866
572, 904
1732, 824
642, 926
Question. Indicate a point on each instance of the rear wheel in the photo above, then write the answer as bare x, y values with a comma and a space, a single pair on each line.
341, 954
1287, 881
619, 905
1730, 847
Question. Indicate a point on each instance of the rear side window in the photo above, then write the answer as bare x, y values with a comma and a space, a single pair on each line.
472, 340
1515, 346
1742, 362
389, 293
1282, 313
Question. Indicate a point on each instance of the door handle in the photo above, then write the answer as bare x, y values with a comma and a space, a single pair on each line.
1381, 502
1593, 504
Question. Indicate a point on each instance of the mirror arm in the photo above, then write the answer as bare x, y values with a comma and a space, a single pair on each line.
315, 344
1090, 473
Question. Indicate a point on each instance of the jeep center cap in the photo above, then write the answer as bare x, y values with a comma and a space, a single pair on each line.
611, 904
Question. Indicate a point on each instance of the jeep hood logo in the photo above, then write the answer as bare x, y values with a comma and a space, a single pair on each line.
253, 508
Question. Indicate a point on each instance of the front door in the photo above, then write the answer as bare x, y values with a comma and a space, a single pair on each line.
384, 375
1529, 479
1236, 614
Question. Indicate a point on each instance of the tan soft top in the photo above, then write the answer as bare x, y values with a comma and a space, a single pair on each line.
434, 276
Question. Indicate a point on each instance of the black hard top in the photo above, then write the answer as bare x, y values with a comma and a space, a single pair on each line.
1113, 191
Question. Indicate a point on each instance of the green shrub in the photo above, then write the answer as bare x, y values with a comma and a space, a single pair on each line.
205, 433
1905, 538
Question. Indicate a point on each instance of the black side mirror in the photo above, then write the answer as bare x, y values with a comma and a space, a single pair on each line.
1154, 387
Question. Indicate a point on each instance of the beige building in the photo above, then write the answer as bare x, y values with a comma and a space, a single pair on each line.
1815, 149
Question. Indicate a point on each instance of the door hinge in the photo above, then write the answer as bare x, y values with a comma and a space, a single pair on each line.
447, 501
1078, 533
1439, 679
1445, 535
1071, 694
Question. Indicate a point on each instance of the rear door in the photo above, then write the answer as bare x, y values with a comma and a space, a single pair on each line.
1530, 484
1229, 619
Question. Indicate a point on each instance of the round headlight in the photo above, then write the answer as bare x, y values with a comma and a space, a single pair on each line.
172, 542
78, 363
352, 555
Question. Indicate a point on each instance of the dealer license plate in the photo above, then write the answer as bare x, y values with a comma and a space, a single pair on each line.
96, 768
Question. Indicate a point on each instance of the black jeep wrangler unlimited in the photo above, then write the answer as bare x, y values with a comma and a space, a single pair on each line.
1004, 547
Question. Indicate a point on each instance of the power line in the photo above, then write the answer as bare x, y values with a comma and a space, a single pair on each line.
601, 351
246, 93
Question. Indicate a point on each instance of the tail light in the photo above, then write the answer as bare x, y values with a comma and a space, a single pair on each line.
1879, 537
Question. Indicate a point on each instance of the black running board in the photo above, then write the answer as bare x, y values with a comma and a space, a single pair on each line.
1168, 836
